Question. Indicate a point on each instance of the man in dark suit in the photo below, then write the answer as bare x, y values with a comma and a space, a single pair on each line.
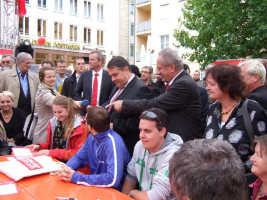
71, 82
254, 75
128, 86
94, 85
181, 99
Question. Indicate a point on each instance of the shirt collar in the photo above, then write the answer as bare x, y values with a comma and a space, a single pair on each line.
99, 73
130, 79
19, 72
175, 77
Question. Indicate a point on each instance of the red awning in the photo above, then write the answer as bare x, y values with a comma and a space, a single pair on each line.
6, 51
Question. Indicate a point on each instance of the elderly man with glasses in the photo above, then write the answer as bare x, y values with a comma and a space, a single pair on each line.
149, 167
22, 83
7, 62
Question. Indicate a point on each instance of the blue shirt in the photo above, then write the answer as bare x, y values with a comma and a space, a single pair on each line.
23, 82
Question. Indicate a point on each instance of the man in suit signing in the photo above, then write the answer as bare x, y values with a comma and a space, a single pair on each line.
94, 85
128, 86
180, 99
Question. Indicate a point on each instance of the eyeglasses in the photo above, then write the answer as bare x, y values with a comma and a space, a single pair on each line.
150, 115
145, 72
6, 62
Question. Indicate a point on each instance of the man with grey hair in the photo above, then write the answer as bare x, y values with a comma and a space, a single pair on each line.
180, 99
254, 75
7, 62
207, 169
21, 82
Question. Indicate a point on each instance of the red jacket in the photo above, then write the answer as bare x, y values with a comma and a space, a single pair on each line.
76, 140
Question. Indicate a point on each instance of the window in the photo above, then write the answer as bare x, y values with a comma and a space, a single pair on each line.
41, 29
73, 7
132, 8
58, 30
42, 3
100, 12
132, 29
100, 37
23, 25
87, 9
87, 35
164, 41
58, 5
73, 33
132, 50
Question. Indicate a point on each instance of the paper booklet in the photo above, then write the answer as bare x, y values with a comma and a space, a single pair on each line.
25, 164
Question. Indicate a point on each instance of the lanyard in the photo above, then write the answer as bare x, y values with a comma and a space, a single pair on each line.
142, 171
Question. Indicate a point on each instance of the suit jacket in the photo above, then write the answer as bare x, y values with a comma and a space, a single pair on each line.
85, 85
9, 80
181, 101
260, 95
127, 124
69, 86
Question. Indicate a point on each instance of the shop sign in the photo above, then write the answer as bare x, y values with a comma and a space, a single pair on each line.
59, 45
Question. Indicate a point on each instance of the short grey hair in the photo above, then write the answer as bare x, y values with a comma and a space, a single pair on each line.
208, 169
23, 56
254, 66
8, 55
170, 55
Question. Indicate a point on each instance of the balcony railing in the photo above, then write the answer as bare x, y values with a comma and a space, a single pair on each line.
142, 1
144, 26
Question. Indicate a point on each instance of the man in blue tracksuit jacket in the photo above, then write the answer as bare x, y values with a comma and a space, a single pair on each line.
104, 151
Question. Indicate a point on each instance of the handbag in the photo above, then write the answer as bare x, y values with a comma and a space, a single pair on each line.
30, 125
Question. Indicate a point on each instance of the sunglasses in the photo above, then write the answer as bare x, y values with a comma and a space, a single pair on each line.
150, 115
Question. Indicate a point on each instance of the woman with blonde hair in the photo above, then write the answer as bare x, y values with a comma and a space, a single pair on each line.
66, 131
12, 120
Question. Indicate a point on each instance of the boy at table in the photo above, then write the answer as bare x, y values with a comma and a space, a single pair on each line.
149, 167
104, 151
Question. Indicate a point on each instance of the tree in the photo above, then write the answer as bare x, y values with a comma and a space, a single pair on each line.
223, 29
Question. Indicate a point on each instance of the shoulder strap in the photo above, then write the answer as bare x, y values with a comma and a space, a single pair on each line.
247, 120
29, 123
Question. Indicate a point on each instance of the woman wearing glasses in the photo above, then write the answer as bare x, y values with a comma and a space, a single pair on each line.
45, 95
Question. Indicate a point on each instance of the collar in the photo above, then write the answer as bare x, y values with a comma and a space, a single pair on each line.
175, 77
19, 72
129, 80
100, 73
101, 135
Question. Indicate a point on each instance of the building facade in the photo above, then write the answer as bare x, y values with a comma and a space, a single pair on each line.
156, 21
70, 28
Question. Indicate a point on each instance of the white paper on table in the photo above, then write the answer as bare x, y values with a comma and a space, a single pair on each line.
15, 170
8, 187
21, 152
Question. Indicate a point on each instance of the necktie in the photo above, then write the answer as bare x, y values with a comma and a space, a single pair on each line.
115, 97
95, 89
167, 87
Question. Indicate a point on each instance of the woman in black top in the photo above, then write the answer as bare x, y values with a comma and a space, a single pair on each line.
12, 120
225, 117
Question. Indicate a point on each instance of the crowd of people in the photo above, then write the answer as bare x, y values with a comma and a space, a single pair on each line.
115, 127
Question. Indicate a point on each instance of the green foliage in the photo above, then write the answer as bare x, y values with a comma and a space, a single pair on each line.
223, 29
